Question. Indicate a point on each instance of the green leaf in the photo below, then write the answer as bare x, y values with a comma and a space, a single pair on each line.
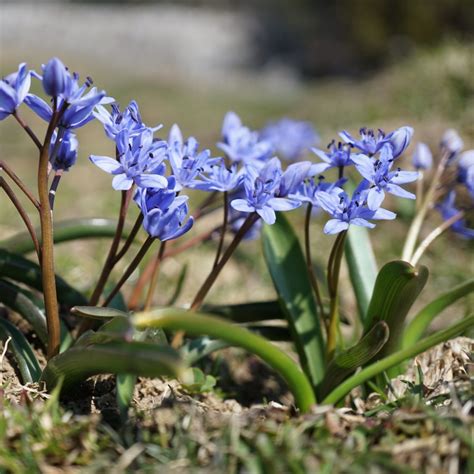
199, 324
397, 287
346, 362
397, 358
195, 381
287, 268
27, 363
419, 324
98, 312
66, 231
125, 387
195, 349
23, 302
139, 358
247, 312
24, 271
362, 266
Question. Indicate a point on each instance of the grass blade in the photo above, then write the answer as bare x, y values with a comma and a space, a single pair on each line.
287, 267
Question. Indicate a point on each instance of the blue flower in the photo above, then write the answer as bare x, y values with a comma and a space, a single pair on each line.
139, 161
380, 179
309, 189
220, 178
66, 153
346, 211
338, 156
13, 90
292, 178
370, 142
79, 105
290, 138
448, 209
130, 119
187, 164
261, 188
164, 213
239, 143
422, 158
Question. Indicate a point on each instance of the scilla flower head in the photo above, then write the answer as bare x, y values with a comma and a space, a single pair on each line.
13, 90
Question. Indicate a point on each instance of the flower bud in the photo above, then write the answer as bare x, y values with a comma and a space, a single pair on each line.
400, 139
54, 77
422, 157
451, 141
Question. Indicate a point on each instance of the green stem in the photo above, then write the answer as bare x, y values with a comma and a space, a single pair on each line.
109, 261
154, 276
394, 359
334, 266
131, 268
200, 324
417, 222
223, 229
47, 244
309, 264
206, 286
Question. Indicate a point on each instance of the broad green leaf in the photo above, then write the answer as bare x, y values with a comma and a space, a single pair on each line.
397, 287
362, 266
397, 358
419, 324
27, 363
348, 361
247, 312
23, 302
199, 324
139, 358
20, 269
98, 312
65, 231
287, 267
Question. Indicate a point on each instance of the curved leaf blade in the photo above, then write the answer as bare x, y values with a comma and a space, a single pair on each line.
98, 312
139, 358
247, 312
397, 358
199, 324
348, 361
24, 271
397, 286
22, 302
65, 231
27, 363
419, 324
287, 267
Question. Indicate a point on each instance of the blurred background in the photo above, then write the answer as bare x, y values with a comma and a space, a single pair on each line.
340, 64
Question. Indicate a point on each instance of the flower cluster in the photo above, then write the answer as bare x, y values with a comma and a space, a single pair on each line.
157, 172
